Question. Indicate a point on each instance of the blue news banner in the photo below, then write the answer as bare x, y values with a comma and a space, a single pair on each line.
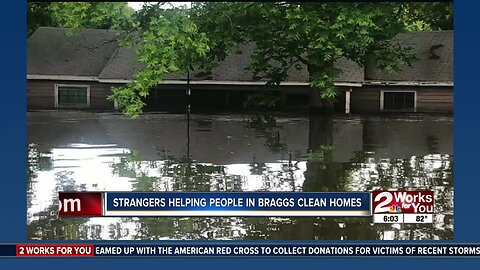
227, 204
236, 204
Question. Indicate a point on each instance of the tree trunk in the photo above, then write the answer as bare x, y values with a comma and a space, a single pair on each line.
317, 104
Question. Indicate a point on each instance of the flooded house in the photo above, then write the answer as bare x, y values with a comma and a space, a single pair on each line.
78, 71
73, 150
426, 86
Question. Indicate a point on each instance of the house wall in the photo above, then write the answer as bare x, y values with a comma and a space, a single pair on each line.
41, 94
429, 98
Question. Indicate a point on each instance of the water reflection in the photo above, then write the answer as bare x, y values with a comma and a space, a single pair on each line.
76, 151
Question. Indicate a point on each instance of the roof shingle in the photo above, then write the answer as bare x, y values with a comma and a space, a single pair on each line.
90, 52
52, 51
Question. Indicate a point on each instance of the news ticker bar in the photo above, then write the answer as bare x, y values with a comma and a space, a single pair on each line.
240, 250
386, 206
214, 204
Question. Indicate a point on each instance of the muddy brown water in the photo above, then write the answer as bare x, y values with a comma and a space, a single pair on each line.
83, 151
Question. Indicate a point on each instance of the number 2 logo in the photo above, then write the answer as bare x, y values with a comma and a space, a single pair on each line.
383, 206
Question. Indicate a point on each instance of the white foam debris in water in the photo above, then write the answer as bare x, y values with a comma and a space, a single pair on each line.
84, 145
388, 235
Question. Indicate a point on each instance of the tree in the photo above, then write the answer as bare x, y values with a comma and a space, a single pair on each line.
75, 15
167, 41
428, 16
315, 34
178, 40
38, 15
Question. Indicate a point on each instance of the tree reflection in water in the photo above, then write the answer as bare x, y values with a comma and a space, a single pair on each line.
46, 224
266, 126
321, 167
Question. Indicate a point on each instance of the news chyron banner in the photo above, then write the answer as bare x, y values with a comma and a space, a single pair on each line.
236, 249
214, 204
384, 206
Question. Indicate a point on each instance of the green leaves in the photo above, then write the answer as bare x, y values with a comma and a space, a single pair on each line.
326, 84
170, 43
104, 15
424, 16
285, 34
316, 34
322, 155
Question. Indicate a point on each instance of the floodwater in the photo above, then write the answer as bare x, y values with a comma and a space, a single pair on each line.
84, 151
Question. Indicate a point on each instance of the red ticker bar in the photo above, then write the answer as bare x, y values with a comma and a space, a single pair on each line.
57, 250
80, 204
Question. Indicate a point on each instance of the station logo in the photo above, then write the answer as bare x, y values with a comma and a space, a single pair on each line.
414, 202
395, 208
80, 204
